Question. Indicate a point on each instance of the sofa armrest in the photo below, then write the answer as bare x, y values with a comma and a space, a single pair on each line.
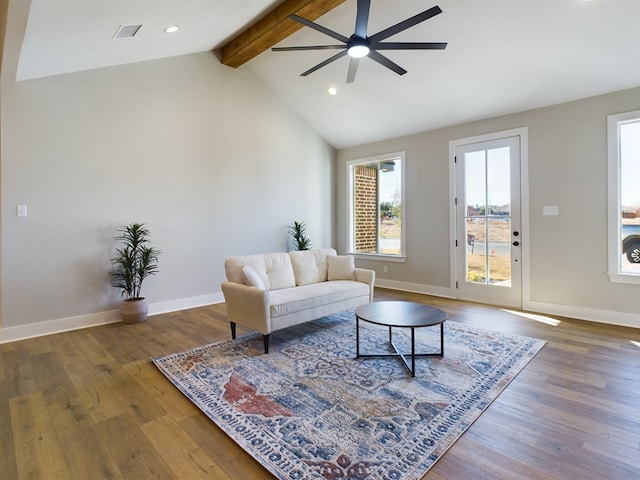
247, 306
367, 276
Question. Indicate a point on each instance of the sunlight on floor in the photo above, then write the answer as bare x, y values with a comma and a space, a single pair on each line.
637, 344
538, 318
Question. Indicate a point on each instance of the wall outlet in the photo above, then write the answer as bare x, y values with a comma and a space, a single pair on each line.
385, 269
21, 210
550, 210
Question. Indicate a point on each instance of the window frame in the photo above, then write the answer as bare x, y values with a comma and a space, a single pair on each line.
387, 257
614, 224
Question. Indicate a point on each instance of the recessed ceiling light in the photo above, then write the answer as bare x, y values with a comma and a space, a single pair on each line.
171, 29
332, 90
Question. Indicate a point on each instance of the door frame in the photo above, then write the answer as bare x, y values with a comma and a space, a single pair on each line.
523, 133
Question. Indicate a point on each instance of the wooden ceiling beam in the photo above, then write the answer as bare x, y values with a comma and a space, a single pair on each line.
272, 28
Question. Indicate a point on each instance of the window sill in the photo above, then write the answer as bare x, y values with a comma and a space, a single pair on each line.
624, 278
380, 257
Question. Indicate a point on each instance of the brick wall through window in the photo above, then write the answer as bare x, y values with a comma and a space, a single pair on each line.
366, 208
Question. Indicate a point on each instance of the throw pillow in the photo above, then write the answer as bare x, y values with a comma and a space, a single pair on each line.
251, 277
341, 267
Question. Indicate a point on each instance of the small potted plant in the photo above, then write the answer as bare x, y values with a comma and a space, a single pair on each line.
132, 263
298, 232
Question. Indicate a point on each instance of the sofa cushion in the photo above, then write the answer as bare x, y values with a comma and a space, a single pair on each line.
310, 266
274, 269
305, 267
252, 278
292, 300
341, 267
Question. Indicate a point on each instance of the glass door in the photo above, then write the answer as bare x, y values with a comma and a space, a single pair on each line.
488, 222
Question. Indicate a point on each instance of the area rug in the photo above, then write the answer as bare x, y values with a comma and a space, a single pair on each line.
311, 410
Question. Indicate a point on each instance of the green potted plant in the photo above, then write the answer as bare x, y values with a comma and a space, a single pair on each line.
132, 263
298, 232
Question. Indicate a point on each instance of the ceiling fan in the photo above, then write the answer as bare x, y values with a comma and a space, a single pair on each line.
360, 45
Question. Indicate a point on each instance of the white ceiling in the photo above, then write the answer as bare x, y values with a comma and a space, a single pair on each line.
503, 56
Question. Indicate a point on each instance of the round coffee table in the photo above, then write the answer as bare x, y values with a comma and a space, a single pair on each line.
402, 315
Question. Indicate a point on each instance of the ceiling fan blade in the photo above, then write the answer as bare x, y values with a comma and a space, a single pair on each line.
408, 23
382, 60
310, 47
409, 46
353, 68
325, 63
319, 28
362, 18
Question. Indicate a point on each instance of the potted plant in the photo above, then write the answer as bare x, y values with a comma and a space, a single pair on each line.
133, 262
298, 231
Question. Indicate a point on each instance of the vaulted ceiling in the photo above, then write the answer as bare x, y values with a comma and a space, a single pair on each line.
502, 56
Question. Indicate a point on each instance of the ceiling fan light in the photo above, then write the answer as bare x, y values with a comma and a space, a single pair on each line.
358, 51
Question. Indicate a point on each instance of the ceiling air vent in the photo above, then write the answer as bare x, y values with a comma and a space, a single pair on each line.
127, 31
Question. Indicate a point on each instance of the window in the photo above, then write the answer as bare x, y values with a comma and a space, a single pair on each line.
624, 197
376, 205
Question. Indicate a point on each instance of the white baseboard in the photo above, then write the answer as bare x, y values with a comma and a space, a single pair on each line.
185, 303
416, 288
609, 317
22, 332
580, 313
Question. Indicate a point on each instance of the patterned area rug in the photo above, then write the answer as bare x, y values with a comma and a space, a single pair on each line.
311, 410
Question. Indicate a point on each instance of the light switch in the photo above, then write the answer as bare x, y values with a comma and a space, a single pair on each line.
550, 210
21, 210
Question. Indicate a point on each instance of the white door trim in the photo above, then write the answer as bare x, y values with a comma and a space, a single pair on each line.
523, 133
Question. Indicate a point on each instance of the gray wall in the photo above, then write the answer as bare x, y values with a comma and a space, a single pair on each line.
205, 155
567, 167
216, 165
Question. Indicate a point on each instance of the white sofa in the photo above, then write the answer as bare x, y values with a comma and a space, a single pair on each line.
272, 291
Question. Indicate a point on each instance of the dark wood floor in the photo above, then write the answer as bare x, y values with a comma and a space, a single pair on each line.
89, 404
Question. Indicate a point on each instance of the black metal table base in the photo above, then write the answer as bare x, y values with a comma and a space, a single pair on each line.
403, 356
